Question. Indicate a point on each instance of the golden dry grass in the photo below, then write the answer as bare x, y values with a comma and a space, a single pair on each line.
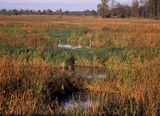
117, 32
128, 48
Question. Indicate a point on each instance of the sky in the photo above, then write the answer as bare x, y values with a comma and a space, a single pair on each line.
71, 5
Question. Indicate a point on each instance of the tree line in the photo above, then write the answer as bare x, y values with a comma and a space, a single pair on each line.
107, 8
46, 12
138, 8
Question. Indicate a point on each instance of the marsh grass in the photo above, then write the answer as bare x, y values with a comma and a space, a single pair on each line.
32, 86
33, 78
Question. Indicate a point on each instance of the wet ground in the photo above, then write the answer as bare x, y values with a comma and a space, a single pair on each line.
68, 46
84, 99
79, 100
89, 72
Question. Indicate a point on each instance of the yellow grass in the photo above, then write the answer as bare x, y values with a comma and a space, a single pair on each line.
134, 85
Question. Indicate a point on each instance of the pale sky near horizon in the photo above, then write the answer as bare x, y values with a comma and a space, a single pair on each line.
72, 5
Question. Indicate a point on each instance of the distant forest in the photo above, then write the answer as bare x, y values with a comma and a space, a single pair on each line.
107, 8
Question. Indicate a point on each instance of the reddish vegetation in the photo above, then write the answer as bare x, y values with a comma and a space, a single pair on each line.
28, 53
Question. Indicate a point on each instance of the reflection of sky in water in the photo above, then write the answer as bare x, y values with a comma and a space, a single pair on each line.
80, 100
67, 46
100, 76
93, 73
75, 104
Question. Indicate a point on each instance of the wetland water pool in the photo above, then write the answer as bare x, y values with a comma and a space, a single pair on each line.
90, 72
68, 46
84, 99
80, 99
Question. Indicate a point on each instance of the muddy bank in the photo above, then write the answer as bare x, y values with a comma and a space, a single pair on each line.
60, 87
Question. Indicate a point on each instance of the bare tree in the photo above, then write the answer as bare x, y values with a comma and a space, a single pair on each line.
152, 7
113, 5
103, 8
135, 8
155, 8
